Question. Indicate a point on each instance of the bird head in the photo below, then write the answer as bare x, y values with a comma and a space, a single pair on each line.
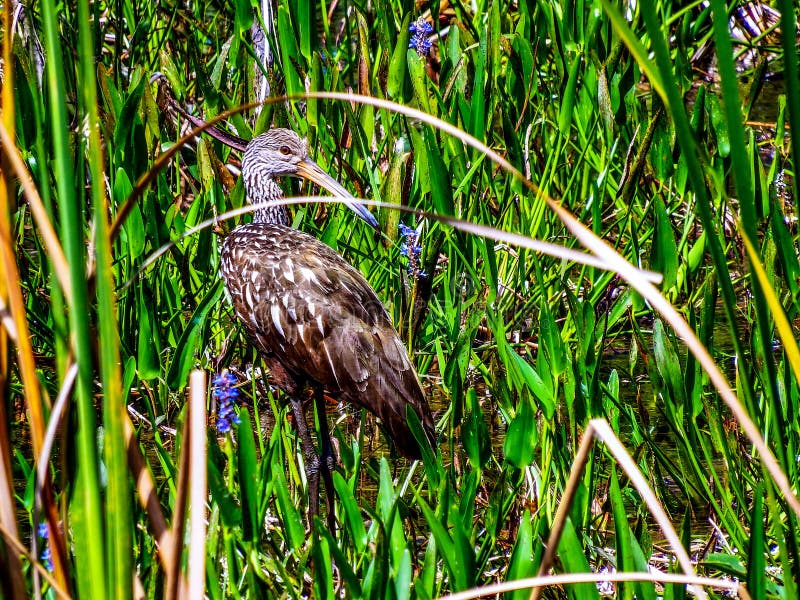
280, 152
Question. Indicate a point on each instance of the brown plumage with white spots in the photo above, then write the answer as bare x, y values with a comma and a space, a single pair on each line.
314, 318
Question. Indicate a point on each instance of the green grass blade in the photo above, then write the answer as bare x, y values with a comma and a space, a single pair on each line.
756, 566
791, 65
86, 504
118, 521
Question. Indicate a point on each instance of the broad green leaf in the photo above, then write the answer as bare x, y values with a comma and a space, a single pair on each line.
350, 578
719, 125
475, 434
147, 360
446, 547
351, 512
134, 225
726, 563
568, 100
293, 526
397, 64
322, 565
403, 577
522, 564
522, 437
248, 476
573, 559
665, 250
184, 358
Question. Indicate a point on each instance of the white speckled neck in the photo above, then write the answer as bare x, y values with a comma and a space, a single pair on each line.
266, 189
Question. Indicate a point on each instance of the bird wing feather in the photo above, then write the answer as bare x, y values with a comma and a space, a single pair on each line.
304, 305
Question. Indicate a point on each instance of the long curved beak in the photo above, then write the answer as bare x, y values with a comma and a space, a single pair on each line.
310, 170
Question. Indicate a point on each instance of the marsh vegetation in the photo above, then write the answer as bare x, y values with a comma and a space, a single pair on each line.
572, 398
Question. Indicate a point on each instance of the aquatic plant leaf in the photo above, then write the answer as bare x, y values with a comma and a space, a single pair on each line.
248, 476
322, 565
351, 512
522, 437
293, 527
350, 578
397, 64
522, 564
571, 553
665, 250
184, 358
475, 434
148, 365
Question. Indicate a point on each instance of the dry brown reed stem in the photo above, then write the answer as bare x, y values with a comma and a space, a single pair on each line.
172, 587
148, 496
576, 578
199, 488
33, 400
54, 250
12, 294
190, 497
600, 429
11, 569
19, 547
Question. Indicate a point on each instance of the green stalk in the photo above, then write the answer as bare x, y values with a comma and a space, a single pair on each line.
683, 131
791, 66
57, 300
86, 507
118, 501
745, 193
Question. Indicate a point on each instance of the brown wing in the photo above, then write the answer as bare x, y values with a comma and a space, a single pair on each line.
317, 317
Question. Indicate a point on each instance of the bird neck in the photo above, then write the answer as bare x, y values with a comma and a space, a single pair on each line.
268, 190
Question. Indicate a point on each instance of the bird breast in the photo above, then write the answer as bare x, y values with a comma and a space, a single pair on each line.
301, 302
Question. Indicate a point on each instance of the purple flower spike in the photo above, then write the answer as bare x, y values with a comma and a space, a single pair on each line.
46, 558
411, 248
420, 34
226, 395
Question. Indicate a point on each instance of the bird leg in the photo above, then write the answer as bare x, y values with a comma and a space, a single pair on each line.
316, 463
327, 462
311, 457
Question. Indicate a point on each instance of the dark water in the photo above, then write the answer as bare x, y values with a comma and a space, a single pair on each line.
765, 109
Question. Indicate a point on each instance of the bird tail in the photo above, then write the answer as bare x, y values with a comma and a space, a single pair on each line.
392, 412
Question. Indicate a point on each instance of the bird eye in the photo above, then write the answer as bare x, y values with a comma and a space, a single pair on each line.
285, 150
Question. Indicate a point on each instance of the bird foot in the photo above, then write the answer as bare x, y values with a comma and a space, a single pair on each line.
316, 466
327, 467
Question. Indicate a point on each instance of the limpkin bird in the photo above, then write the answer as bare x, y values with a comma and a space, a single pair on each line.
313, 317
